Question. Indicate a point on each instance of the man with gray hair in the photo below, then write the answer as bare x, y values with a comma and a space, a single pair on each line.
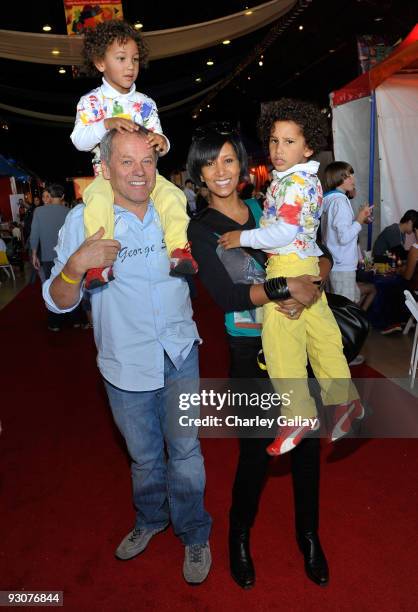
147, 350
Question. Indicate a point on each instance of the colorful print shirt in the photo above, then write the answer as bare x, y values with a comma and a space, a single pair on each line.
291, 216
104, 102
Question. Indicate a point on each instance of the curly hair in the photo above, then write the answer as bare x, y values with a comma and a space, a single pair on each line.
307, 116
98, 39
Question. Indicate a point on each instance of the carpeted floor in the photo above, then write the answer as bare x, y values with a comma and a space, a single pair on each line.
66, 499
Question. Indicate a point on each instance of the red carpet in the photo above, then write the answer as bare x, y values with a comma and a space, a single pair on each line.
66, 497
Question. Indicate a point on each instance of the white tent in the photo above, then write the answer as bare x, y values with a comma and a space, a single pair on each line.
385, 160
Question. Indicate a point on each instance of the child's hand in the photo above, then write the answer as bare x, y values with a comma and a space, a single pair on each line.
364, 213
230, 240
120, 124
158, 141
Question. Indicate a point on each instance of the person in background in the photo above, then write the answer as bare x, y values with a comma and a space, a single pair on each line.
392, 238
46, 196
46, 223
247, 194
340, 228
410, 270
202, 198
16, 231
190, 194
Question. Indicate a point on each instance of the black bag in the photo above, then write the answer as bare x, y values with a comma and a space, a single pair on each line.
352, 321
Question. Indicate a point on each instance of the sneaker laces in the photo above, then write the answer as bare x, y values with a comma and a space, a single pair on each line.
135, 534
195, 553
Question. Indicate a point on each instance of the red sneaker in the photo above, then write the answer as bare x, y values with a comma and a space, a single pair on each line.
97, 277
289, 438
343, 418
182, 262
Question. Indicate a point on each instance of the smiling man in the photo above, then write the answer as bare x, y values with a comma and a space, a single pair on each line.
147, 349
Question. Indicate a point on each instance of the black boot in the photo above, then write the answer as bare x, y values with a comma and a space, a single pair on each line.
241, 564
316, 566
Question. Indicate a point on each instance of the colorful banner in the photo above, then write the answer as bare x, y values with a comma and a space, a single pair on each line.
82, 14
372, 49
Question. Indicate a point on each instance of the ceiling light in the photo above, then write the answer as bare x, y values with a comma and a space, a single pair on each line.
378, 19
207, 105
198, 79
210, 62
260, 63
46, 28
55, 51
301, 27
62, 70
138, 25
194, 116
249, 78
226, 42
332, 51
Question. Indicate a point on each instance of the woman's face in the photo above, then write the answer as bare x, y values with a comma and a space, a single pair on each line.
46, 197
222, 174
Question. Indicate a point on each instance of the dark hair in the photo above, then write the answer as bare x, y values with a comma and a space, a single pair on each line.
98, 39
107, 142
410, 215
55, 190
247, 191
307, 116
207, 141
335, 174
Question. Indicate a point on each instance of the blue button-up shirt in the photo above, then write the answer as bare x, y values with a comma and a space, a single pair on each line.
140, 314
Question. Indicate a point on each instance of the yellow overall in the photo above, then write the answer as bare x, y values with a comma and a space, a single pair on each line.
287, 343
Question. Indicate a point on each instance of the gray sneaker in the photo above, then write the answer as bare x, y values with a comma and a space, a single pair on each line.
197, 562
135, 542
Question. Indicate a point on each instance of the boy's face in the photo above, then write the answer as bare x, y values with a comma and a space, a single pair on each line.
287, 145
349, 184
120, 65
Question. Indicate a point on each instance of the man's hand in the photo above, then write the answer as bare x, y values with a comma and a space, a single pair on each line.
291, 308
120, 124
303, 289
158, 141
230, 240
93, 253
35, 261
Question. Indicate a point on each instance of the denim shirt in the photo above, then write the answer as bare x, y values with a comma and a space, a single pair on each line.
140, 314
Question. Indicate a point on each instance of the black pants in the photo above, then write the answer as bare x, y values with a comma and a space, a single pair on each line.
253, 459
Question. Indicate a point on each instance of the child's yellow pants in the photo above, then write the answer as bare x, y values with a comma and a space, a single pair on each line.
287, 343
169, 201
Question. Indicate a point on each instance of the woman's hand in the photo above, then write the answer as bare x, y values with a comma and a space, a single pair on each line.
292, 309
303, 289
230, 240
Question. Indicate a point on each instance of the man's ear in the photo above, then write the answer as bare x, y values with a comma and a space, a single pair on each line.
105, 170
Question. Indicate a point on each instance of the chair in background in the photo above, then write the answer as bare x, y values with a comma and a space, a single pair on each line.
412, 306
410, 322
6, 266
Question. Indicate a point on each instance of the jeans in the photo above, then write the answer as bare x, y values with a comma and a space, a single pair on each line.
164, 486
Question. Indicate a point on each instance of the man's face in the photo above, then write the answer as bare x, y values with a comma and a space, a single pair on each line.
131, 170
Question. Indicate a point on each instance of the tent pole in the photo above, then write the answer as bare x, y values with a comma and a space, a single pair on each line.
371, 162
